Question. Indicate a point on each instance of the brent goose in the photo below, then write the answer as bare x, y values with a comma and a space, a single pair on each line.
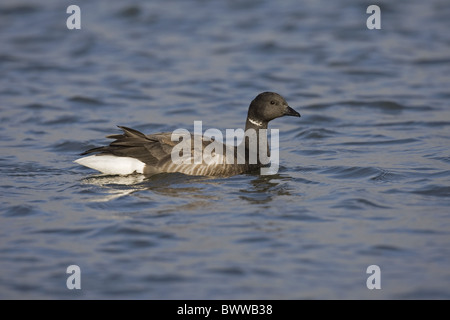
134, 152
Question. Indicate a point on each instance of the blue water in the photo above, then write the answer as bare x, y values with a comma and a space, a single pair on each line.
364, 174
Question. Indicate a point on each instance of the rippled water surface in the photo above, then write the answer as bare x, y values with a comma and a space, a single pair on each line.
364, 173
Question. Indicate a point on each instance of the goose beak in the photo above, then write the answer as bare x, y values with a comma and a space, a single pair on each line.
291, 112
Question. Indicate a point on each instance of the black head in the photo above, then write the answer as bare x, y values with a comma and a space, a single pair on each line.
268, 106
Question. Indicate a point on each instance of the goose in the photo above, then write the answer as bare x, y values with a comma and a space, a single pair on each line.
134, 152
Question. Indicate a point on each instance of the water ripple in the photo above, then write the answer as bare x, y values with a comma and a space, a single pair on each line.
89, 101
352, 172
434, 190
358, 204
21, 211
379, 142
316, 133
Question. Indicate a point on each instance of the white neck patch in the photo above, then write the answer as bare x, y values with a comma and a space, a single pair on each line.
256, 123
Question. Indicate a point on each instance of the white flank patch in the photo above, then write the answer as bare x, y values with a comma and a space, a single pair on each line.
112, 164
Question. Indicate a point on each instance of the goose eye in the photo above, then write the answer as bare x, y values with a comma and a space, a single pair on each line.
272, 102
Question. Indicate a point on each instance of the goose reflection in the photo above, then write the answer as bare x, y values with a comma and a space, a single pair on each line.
165, 184
265, 188
198, 191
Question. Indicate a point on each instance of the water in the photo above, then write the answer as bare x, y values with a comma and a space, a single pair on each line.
363, 178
